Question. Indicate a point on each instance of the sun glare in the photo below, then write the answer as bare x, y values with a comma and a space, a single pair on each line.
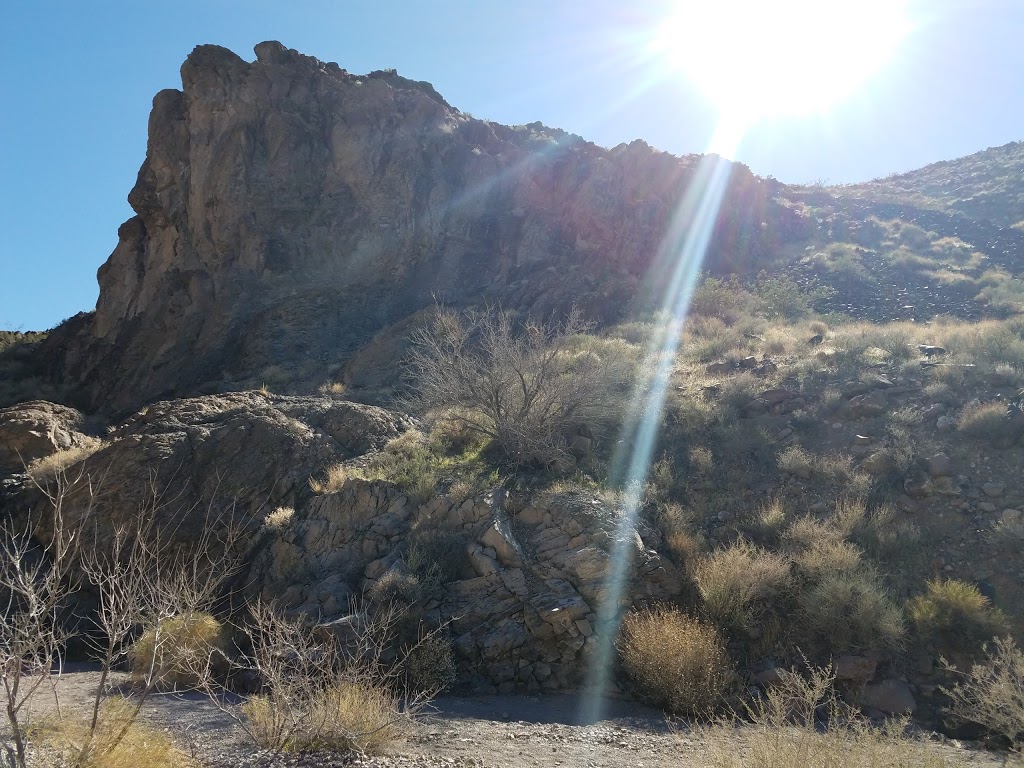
758, 58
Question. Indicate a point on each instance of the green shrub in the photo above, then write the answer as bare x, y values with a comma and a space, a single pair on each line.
176, 648
847, 612
956, 616
743, 587
677, 662
429, 665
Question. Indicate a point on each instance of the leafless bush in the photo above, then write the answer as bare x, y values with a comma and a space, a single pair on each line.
780, 730
140, 578
35, 579
524, 387
992, 692
334, 687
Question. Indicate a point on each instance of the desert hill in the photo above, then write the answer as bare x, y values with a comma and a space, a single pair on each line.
416, 360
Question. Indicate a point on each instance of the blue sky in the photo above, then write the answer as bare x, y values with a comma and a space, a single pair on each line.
77, 79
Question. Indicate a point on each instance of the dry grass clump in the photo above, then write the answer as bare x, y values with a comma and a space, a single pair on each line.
780, 730
119, 741
52, 465
991, 694
956, 616
177, 649
827, 556
743, 587
348, 716
677, 662
333, 481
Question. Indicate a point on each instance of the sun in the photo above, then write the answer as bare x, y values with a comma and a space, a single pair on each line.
761, 58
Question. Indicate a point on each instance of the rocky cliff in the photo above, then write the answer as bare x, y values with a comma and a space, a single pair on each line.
287, 210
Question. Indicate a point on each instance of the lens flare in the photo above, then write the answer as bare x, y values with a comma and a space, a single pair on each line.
773, 57
683, 249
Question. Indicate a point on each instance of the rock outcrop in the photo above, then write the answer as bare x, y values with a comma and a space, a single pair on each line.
35, 430
287, 210
527, 591
241, 455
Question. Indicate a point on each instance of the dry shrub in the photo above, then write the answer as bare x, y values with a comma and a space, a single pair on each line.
796, 461
48, 467
827, 556
986, 421
806, 532
768, 523
743, 587
119, 741
682, 547
436, 555
883, 534
323, 688
677, 662
177, 649
429, 666
395, 586
992, 693
279, 519
850, 612
956, 616
780, 731
348, 716
523, 385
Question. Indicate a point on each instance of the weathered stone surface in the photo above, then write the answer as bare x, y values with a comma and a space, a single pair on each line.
238, 455
498, 536
37, 429
854, 668
893, 697
940, 465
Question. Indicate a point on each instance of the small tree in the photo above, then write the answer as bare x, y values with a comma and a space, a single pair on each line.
35, 580
523, 385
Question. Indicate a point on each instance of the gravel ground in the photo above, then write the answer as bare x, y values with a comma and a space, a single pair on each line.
479, 732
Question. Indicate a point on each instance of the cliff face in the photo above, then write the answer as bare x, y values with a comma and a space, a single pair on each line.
288, 210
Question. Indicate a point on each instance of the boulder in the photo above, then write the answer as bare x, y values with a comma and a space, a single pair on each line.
858, 669
939, 465
893, 697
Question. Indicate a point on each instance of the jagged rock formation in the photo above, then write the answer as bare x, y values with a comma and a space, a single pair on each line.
287, 210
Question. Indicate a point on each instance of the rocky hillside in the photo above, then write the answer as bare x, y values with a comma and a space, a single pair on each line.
292, 220
834, 475
287, 210
986, 185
